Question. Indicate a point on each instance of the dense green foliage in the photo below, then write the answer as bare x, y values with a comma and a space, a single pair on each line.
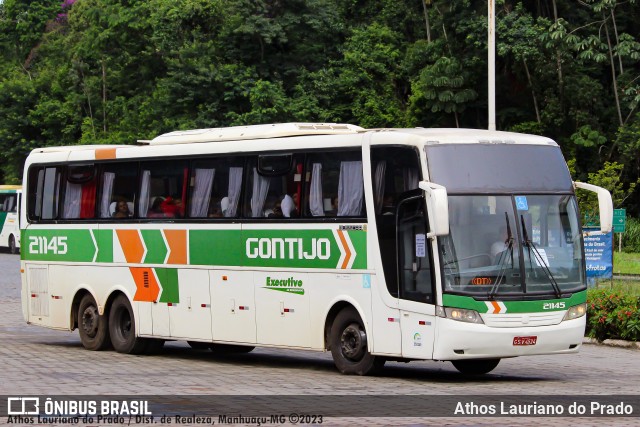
631, 236
114, 71
612, 315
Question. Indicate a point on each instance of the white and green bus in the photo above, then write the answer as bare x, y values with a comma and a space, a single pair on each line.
10, 196
373, 244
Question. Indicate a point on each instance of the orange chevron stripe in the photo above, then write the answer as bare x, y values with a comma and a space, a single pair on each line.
177, 241
132, 246
347, 257
147, 288
496, 307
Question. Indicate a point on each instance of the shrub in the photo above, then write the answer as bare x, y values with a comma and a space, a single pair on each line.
631, 236
612, 315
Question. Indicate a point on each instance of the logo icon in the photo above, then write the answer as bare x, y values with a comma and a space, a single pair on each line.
23, 406
417, 340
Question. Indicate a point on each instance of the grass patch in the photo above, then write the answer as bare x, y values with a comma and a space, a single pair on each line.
626, 263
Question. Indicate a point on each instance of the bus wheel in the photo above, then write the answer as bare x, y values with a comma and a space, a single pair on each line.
12, 245
93, 328
475, 367
348, 341
229, 348
122, 327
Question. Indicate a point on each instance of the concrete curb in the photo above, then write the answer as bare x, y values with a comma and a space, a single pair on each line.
613, 343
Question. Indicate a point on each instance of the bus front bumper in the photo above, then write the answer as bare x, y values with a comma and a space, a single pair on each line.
459, 340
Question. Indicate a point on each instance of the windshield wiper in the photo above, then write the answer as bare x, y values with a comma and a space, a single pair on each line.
540, 260
507, 252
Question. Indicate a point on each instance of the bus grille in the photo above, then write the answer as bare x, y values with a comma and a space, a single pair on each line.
518, 320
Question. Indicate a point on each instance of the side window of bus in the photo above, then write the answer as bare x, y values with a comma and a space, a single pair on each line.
44, 192
394, 170
163, 189
274, 186
117, 184
335, 185
8, 203
215, 187
79, 200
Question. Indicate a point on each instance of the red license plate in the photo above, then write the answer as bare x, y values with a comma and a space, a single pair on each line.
525, 340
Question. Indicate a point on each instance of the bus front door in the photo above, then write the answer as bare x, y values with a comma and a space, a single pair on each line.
415, 280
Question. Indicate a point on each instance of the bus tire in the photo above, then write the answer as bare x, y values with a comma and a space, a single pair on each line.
13, 248
93, 328
475, 367
229, 348
122, 328
348, 341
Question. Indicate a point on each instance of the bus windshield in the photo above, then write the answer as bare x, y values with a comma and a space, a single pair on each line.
510, 245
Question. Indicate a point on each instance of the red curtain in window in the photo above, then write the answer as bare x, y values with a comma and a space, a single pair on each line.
88, 200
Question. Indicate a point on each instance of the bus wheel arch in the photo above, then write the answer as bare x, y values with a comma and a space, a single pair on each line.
348, 342
93, 328
331, 316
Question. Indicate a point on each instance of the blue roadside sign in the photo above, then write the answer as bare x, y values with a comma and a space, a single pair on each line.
598, 252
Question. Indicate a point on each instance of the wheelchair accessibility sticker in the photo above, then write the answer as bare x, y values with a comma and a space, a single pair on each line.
521, 203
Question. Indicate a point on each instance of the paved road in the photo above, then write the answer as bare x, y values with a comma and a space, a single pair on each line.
35, 360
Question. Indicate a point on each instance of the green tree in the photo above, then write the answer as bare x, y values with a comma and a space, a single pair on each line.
441, 87
608, 177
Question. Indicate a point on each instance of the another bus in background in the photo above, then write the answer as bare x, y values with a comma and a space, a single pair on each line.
10, 196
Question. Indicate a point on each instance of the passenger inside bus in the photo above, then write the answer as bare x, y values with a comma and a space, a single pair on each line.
172, 207
276, 211
121, 209
501, 244
215, 210
156, 210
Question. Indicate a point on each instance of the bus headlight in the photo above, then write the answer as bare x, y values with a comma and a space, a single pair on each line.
576, 311
460, 314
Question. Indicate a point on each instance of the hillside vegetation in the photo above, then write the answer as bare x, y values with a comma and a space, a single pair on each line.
98, 72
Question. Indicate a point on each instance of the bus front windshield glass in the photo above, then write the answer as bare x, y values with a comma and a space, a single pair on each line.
509, 245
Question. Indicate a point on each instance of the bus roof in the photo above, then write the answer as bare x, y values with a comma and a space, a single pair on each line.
235, 133
264, 133
471, 136
433, 135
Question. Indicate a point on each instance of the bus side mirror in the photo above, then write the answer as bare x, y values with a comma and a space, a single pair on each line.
605, 205
437, 207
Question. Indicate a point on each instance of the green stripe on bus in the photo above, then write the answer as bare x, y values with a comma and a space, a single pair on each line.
318, 248
105, 245
59, 245
214, 247
156, 248
277, 248
538, 306
168, 278
3, 218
